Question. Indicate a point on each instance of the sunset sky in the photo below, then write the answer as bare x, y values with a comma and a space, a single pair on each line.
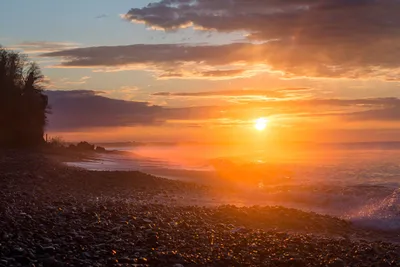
179, 70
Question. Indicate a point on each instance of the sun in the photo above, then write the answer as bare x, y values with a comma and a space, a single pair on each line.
261, 123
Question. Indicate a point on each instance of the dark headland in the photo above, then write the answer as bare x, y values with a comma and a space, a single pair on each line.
54, 215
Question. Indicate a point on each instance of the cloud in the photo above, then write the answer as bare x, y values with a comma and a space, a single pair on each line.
47, 81
318, 103
176, 60
124, 93
389, 113
81, 81
228, 93
217, 74
169, 60
102, 16
80, 109
313, 38
43, 47
367, 109
65, 83
85, 109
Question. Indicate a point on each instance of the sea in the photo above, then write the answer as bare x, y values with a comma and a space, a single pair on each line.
360, 184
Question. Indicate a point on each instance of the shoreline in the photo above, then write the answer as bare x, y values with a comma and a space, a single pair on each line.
64, 216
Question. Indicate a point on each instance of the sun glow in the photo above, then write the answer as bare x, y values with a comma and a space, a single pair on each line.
261, 123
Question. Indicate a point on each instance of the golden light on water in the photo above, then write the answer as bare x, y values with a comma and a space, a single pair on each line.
261, 123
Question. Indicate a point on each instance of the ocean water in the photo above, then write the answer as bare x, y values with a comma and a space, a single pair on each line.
359, 185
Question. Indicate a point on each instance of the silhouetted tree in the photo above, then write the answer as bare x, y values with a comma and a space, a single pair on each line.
23, 106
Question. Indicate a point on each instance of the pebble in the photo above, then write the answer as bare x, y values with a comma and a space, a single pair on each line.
337, 263
109, 218
49, 249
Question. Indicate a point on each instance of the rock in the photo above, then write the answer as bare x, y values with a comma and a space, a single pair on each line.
163, 234
153, 240
26, 215
136, 254
47, 240
125, 260
111, 262
5, 236
49, 249
86, 255
100, 149
85, 146
52, 262
23, 260
297, 263
384, 263
239, 230
337, 263
148, 221
18, 251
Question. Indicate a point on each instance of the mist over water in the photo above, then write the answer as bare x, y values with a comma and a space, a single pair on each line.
359, 185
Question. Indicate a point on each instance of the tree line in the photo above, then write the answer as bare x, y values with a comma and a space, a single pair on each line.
23, 104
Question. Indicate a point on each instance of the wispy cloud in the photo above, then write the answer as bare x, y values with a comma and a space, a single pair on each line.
81, 81
228, 93
65, 83
101, 16
123, 93
43, 47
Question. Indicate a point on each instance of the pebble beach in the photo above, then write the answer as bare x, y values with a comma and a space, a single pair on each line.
55, 215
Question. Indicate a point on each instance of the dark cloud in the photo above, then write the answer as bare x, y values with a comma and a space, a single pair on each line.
81, 109
87, 109
152, 54
391, 113
273, 19
171, 59
331, 38
174, 60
